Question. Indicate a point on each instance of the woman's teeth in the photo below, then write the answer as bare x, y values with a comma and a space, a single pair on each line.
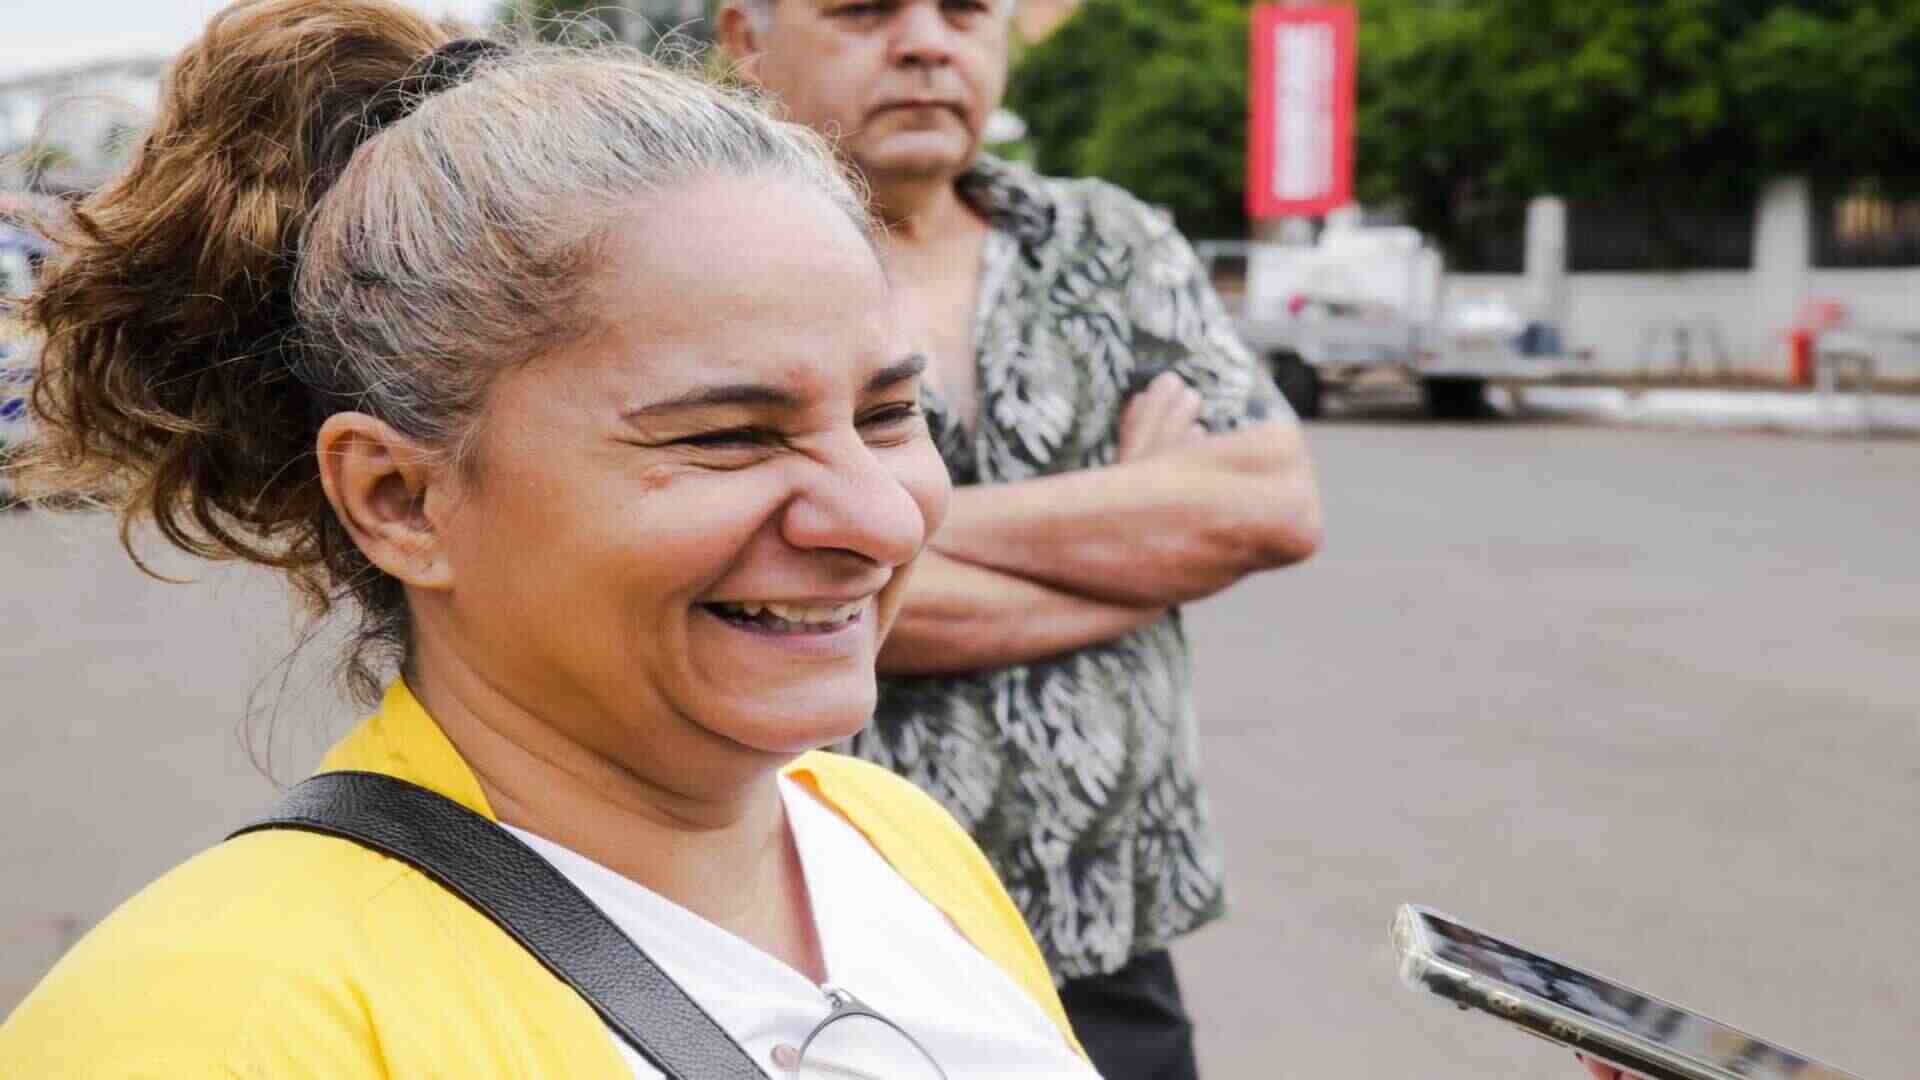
793, 616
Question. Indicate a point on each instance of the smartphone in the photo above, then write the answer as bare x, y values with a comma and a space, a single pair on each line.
1596, 1017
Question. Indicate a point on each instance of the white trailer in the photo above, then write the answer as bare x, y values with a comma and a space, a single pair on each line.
1363, 301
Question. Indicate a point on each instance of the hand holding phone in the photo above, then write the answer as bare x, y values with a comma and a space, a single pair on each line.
1605, 1072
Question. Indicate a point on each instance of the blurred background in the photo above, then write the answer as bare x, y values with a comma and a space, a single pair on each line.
1608, 317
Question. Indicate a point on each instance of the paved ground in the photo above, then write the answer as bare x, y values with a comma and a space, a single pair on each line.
1651, 700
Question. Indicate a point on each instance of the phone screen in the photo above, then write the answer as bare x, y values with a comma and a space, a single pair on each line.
1705, 1040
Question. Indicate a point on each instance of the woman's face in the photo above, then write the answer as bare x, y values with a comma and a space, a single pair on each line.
684, 537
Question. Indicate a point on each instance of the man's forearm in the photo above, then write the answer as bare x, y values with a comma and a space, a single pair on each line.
959, 618
1160, 531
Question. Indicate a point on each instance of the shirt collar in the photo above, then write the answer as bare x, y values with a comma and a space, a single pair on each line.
1011, 198
402, 741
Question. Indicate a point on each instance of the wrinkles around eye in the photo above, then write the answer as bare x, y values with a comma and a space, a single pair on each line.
900, 417
731, 438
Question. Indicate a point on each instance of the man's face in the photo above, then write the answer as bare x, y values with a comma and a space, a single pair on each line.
906, 86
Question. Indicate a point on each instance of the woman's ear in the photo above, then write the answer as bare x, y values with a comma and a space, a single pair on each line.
379, 482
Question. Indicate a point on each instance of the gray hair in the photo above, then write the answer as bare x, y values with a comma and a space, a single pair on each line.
303, 233
455, 242
460, 241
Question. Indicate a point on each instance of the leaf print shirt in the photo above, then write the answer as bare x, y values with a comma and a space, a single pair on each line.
1079, 774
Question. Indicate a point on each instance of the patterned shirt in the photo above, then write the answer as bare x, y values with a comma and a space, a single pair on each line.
1079, 774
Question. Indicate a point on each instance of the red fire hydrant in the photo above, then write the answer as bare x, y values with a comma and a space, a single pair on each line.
1816, 316
1800, 356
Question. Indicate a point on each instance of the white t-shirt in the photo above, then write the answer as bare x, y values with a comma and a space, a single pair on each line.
882, 941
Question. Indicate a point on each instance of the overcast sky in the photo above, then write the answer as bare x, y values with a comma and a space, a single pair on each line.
38, 34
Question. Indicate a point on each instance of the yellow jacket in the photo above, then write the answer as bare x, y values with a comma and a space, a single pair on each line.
289, 954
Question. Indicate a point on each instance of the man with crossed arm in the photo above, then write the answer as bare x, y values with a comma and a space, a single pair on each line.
1117, 453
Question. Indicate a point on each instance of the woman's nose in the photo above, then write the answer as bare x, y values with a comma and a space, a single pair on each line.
854, 502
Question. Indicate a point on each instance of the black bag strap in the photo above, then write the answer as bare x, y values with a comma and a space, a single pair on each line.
507, 881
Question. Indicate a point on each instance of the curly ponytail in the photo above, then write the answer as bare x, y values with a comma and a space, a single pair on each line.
166, 377
305, 230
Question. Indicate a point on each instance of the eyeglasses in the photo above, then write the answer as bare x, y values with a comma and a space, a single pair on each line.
856, 1043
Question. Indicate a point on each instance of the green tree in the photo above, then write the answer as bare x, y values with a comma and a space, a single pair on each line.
1831, 89
1149, 96
1192, 95
1471, 104
1469, 107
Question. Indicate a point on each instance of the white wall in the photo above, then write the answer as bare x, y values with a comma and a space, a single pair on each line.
1782, 254
1732, 321
1612, 315
1887, 299
1873, 297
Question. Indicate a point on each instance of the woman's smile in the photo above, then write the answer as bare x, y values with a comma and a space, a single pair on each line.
772, 617
723, 508
815, 628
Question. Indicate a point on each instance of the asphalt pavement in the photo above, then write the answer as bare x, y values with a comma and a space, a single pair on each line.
1647, 700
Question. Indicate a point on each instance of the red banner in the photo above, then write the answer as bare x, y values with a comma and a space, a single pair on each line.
1300, 139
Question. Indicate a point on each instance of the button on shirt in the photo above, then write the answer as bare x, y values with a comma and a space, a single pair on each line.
1078, 775
882, 941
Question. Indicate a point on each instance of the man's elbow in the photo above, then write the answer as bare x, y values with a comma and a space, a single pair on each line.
1297, 536
1288, 532
1285, 526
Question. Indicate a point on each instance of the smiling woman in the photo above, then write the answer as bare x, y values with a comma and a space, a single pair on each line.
692, 467
575, 380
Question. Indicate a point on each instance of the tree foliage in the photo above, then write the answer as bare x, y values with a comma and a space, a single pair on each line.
1661, 103
1467, 105
1149, 96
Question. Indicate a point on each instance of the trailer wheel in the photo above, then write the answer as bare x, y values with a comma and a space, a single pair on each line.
1454, 397
1299, 383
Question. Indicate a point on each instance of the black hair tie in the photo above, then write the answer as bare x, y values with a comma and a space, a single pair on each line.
442, 69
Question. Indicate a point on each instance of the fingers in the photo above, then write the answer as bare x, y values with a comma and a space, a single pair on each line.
1183, 415
1163, 415
1140, 422
1600, 1071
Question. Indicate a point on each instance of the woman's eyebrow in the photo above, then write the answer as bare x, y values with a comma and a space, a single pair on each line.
895, 374
708, 396
763, 395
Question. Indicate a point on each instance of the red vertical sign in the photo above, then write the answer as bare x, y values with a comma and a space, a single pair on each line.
1300, 143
